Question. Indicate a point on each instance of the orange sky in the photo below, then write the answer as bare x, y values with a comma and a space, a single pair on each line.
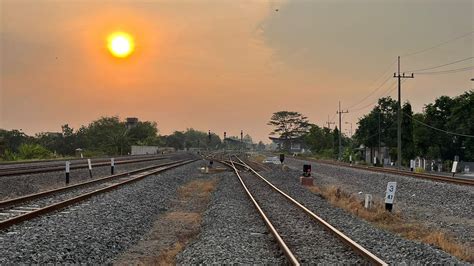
219, 65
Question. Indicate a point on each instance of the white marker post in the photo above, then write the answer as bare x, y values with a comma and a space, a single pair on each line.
368, 201
390, 195
375, 160
350, 159
412, 165
455, 166
68, 169
112, 166
90, 167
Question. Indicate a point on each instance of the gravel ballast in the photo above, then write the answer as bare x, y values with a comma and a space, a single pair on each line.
443, 206
388, 247
97, 230
309, 241
232, 231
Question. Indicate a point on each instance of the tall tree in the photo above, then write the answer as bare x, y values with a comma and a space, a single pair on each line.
289, 124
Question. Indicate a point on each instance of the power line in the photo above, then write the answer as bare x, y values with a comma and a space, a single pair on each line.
380, 86
438, 129
390, 89
448, 71
437, 45
370, 94
447, 64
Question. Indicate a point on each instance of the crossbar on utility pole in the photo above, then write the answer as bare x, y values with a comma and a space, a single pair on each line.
399, 113
339, 112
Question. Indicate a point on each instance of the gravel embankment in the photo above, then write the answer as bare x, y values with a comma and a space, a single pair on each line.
439, 205
232, 232
387, 246
15, 186
97, 230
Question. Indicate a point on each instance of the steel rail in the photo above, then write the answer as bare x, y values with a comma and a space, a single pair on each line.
22, 199
72, 159
453, 180
288, 253
354, 245
60, 205
77, 166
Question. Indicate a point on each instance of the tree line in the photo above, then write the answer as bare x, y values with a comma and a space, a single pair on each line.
443, 129
104, 136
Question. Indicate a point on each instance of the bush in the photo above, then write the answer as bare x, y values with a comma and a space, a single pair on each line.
419, 170
33, 151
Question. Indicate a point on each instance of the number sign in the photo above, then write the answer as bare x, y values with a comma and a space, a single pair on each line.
390, 195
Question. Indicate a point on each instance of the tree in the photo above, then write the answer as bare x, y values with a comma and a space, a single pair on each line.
144, 133
260, 146
319, 139
289, 125
408, 147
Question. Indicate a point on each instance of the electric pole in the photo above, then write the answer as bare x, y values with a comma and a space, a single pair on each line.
339, 112
242, 140
399, 114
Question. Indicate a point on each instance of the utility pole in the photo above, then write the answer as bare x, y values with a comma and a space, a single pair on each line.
339, 112
399, 114
225, 143
330, 123
242, 140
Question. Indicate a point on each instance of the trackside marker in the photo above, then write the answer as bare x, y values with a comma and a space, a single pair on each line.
112, 166
455, 166
68, 168
390, 195
90, 167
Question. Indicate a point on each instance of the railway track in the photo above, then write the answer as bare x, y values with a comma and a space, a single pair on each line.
447, 179
303, 236
17, 210
34, 168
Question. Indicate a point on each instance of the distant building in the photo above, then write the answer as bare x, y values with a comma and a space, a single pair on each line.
295, 145
131, 122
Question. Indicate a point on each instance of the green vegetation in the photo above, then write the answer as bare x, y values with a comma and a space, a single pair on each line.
436, 133
441, 131
104, 136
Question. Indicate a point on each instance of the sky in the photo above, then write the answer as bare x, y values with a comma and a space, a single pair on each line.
224, 65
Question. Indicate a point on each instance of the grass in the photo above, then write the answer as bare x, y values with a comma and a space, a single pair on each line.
393, 221
197, 190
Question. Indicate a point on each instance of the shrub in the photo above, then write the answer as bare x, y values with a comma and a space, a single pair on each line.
33, 151
419, 170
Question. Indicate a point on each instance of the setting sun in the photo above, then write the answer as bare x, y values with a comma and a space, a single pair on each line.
120, 44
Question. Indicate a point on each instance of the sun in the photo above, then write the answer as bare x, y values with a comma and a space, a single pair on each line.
120, 44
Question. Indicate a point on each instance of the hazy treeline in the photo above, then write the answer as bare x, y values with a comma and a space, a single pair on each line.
435, 133
105, 136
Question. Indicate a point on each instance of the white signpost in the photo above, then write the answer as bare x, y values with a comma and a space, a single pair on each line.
455, 166
90, 167
68, 169
390, 195
412, 165
112, 166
